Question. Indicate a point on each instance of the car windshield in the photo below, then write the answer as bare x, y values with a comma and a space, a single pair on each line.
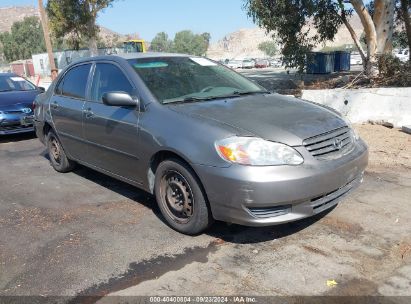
191, 79
15, 83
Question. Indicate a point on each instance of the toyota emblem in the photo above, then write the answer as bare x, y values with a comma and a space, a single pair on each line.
337, 143
26, 110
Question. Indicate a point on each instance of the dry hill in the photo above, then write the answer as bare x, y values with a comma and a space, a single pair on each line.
11, 14
244, 43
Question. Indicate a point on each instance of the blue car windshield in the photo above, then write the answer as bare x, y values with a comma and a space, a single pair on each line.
15, 83
177, 79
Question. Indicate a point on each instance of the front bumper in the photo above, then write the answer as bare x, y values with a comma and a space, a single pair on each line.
15, 124
260, 196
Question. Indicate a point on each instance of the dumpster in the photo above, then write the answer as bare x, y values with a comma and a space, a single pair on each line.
320, 63
342, 61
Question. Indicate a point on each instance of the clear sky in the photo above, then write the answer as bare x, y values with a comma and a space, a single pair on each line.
148, 17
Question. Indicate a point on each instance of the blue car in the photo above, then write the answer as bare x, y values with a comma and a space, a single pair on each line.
16, 104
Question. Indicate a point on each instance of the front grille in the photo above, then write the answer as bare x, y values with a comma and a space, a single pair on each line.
331, 144
266, 212
325, 201
13, 112
15, 127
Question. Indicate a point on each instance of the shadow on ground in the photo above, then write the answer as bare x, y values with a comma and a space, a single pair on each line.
219, 233
16, 137
231, 233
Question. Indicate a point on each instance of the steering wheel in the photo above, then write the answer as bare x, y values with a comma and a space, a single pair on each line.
206, 89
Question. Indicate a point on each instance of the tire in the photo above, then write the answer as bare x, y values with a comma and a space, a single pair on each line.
180, 198
58, 158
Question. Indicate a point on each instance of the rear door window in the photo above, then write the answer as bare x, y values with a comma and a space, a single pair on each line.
109, 78
74, 83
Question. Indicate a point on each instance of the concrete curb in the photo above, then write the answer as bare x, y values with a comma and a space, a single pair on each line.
391, 105
406, 129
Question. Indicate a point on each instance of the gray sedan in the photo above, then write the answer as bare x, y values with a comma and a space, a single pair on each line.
207, 142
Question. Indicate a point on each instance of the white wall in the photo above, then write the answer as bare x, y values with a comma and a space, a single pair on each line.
64, 58
388, 104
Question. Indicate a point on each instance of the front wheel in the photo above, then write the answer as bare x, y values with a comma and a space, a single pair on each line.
180, 197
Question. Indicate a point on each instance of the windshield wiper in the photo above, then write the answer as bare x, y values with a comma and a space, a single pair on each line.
197, 99
241, 93
192, 99
6, 90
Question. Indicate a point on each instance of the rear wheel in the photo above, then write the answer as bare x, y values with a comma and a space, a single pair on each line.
58, 158
180, 197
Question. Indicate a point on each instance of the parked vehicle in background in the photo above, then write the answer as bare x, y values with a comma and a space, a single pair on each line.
248, 64
234, 64
134, 46
402, 55
208, 142
16, 104
262, 63
276, 63
355, 59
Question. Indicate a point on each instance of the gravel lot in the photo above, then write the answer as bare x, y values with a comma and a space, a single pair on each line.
82, 233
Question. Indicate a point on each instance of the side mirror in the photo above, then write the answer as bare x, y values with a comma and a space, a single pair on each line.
41, 89
119, 99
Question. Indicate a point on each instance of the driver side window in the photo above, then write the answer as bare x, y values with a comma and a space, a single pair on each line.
109, 78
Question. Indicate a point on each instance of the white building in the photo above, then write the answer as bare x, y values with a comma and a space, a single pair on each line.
64, 58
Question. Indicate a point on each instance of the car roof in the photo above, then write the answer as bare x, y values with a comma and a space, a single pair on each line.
8, 74
128, 56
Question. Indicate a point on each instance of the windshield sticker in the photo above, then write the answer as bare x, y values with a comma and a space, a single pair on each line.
150, 65
17, 79
203, 61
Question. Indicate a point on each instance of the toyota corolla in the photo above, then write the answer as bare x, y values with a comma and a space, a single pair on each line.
207, 142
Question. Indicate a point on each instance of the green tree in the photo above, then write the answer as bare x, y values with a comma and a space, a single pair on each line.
207, 38
404, 37
24, 39
269, 48
1, 52
161, 43
294, 22
76, 20
187, 42
400, 40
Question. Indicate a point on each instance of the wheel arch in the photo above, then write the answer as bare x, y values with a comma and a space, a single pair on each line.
159, 157
46, 128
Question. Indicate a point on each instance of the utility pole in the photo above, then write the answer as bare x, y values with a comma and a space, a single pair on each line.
45, 26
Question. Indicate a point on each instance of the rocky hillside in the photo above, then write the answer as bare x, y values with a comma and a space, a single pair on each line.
244, 43
9, 15
240, 44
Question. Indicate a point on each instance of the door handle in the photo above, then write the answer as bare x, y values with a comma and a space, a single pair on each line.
88, 113
55, 105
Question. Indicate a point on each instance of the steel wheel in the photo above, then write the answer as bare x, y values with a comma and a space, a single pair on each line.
57, 155
180, 197
177, 196
55, 150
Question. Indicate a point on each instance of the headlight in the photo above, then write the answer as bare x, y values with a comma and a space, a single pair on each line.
257, 152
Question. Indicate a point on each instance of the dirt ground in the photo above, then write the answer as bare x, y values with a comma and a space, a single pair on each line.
389, 148
82, 234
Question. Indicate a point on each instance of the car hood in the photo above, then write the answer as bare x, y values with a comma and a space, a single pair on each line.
17, 99
272, 117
